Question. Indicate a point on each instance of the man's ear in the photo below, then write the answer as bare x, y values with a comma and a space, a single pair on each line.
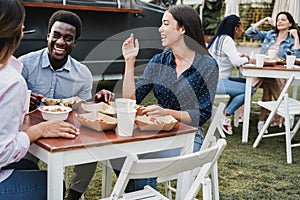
75, 43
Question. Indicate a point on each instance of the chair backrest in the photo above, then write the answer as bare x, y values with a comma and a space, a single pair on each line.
213, 127
135, 168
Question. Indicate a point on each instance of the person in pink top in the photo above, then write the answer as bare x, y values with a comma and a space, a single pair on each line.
15, 181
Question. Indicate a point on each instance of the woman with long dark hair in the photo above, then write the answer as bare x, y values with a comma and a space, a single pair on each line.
223, 48
183, 78
285, 40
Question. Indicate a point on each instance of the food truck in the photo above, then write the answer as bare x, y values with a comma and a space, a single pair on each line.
106, 24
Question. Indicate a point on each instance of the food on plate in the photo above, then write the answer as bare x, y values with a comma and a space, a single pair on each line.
55, 112
97, 121
54, 109
50, 101
297, 61
270, 62
70, 102
108, 109
281, 61
155, 123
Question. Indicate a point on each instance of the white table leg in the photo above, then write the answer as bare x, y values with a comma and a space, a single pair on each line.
184, 180
247, 108
55, 176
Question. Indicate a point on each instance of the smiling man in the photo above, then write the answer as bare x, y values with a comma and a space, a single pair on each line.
51, 72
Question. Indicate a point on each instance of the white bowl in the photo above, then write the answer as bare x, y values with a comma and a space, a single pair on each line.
55, 112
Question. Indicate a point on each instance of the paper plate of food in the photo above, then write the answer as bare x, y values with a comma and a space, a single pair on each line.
70, 102
270, 62
102, 107
155, 123
50, 102
97, 121
280, 61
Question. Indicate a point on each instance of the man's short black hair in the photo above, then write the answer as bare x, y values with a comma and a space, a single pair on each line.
66, 17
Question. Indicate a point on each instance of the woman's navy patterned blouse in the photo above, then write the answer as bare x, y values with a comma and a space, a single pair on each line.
193, 91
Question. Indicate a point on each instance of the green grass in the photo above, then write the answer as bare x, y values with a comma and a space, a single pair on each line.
244, 172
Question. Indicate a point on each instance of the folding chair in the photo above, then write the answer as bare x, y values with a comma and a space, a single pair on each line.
213, 132
162, 168
287, 108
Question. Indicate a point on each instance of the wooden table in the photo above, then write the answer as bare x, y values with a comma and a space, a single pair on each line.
277, 71
92, 146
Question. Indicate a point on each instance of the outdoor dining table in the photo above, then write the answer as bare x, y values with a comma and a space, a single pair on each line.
249, 71
93, 146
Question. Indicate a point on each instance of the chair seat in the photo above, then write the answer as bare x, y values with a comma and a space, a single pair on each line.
294, 106
148, 193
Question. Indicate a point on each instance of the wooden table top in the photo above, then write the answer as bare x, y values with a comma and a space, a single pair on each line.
92, 138
269, 67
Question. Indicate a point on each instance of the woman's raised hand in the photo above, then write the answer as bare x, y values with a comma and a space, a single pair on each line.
293, 33
268, 20
130, 48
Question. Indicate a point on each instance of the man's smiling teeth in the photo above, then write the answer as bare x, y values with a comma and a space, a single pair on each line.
59, 49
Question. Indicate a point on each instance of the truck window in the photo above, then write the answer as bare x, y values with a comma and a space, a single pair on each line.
162, 3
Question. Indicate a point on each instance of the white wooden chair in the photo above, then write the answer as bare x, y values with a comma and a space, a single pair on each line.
287, 108
214, 131
135, 168
209, 140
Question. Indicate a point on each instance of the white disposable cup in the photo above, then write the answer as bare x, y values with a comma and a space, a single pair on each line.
125, 121
124, 104
260, 59
272, 53
290, 61
27, 102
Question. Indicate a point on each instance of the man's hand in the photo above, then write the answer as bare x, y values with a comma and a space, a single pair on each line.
35, 100
104, 96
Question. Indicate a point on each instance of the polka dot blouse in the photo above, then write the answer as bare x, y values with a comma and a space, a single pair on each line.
193, 91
